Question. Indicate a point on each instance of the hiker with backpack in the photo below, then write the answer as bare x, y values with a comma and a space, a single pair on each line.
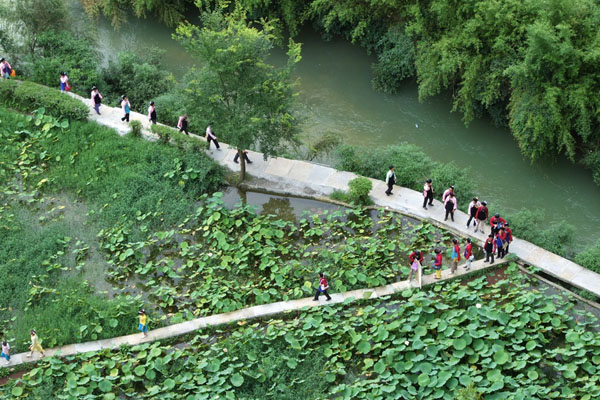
497, 222
450, 206
96, 99
323, 287
481, 216
472, 211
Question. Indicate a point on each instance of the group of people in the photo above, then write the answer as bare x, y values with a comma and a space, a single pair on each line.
35, 346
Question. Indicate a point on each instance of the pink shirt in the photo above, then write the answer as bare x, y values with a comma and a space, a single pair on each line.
452, 199
64, 79
180, 122
94, 93
6, 349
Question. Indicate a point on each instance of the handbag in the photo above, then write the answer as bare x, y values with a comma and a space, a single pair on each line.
13, 73
68, 87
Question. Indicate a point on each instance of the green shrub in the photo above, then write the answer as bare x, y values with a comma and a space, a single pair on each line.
359, 190
532, 226
590, 258
412, 167
592, 161
395, 62
136, 128
164, 132
28, 96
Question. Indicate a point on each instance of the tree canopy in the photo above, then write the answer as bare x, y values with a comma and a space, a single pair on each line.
248, 99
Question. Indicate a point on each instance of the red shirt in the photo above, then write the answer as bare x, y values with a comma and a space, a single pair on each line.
457, 250
494, 221
508, 233
323, 283
413, 256
483, 210
468, 250
438, 260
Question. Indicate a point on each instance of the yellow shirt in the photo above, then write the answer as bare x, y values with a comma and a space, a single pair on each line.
143, 318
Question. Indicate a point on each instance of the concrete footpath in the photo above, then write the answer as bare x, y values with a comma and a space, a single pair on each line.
302, 178
264, 310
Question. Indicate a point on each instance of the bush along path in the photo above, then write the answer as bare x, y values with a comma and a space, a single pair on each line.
259, 311
303, 178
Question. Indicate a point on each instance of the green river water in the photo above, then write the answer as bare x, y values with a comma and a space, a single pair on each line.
336, 95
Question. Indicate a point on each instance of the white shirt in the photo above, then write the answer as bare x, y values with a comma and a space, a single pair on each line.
389, 175
210, 133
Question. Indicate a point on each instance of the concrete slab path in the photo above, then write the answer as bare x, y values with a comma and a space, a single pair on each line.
303, 178
259, 311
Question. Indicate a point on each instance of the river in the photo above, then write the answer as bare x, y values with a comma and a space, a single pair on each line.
336, 95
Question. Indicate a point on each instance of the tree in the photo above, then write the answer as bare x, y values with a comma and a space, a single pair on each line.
170, 12
38, 16
248, 99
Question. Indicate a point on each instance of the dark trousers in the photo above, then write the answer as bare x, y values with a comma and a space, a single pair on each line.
318, 293
489, 254
215, 142
182, 129
153, 120
502, 251
97, 108
428, 198
390, 187
471, 218
237, 157
451, 213
125, 118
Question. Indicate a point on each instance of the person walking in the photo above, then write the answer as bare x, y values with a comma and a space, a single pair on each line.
323, 287
5, 69
390, 180
5, 352
469, 257
182, 124
447, 193
210, 136
499, 245
497, 222
143, 322
152, 113
64, 82
509, 237
437, 264
490, 248
455, 256
35, 345
481, 216
237, 157
472, 210
450, 206
504, 240
126, 106
415, 260
96, 99
427, 194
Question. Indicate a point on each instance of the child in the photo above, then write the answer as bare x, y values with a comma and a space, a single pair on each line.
64, 82
455, 256
96, 99
143, 324
210, 136
437, 264
5, 352
182, 124
36, 345
450, 206
469, 254
152, 113
415, 258
323, 286
509, 237
472, 210
489, 247
126, 108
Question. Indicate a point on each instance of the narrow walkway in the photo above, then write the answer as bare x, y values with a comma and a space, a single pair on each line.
303, 178
243, 314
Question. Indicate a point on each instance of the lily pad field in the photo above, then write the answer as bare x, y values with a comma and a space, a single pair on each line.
502, 341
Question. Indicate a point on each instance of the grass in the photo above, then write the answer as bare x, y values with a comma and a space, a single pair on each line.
73, 182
